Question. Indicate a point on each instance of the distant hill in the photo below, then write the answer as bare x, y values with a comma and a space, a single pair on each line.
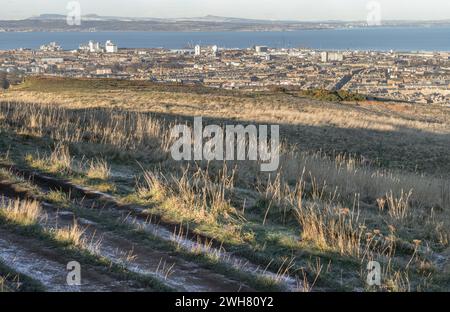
91, 17
207, 18
94, 22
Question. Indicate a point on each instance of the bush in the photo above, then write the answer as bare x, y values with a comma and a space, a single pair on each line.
5, 84
333, 96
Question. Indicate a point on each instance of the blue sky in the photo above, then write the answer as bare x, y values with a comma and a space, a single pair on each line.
267, 9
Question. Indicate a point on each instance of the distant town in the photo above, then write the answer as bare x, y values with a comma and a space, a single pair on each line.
422, 77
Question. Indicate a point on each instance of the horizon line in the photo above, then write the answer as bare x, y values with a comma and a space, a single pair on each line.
229, 17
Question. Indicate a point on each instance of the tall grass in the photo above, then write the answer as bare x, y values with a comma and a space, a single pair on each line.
343, 203
98, 169
331, 228
58, 161
21, 212
194, 196
92, 131
72, 235
2, 284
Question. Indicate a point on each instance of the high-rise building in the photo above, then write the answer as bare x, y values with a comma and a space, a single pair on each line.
198, 50
94, 47
110, 47
261, 49
214, 50
331, 57
51, 47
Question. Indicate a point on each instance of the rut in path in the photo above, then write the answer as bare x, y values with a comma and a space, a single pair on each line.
163, 231
45, 265
176, 273
143, 259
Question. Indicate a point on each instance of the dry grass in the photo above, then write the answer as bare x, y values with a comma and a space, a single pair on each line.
350, 204
21, 212
399, 208
112, 133
193, 198
331, 228
3, 284
98, 169
142, 137
59, 161
397, 135
265, 107
73, 235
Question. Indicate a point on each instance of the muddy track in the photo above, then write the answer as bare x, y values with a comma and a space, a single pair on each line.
34, 259
152, 223
167, 267
188, 240
177, 273
106, 200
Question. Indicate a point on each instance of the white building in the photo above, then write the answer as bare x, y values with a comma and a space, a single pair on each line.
332, 57
103, 71
198, 50
336, 57
110, 47
94, 47
215, 49
84, 48
261, 49
51, 47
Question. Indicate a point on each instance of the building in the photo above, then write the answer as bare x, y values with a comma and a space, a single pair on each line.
52, 60
92, 47
198, 50
103, 71
261, 49
110, 47
215, 50
51, 47
331, 57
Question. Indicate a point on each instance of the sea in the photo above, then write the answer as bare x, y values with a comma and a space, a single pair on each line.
436, 38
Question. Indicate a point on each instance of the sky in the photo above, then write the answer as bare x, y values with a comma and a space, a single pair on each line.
307, 10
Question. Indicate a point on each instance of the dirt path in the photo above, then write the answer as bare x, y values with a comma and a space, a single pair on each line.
134, 216
32, 258
145, 260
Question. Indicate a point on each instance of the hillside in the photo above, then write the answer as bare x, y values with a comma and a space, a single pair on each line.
357, 182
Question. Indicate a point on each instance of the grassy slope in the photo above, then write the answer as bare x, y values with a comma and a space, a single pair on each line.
395, 135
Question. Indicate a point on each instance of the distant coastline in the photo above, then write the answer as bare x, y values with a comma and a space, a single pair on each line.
404, 39
57, 23
317, 28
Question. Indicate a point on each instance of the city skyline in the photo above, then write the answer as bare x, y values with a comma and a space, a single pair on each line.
345, 10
